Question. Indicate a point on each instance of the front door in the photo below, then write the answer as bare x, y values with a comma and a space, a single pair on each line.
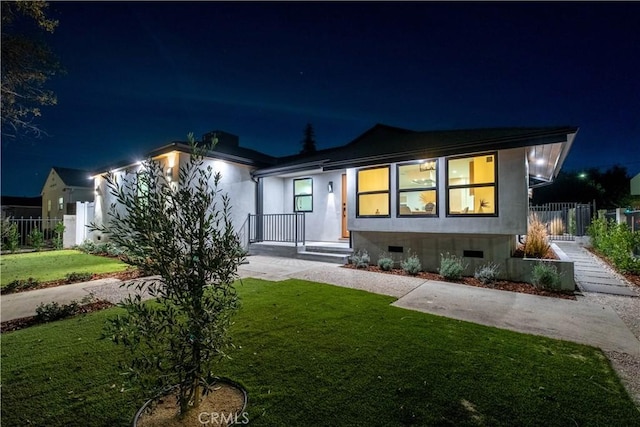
345, 231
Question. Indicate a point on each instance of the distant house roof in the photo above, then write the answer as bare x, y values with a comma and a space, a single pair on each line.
382, 144
74, 177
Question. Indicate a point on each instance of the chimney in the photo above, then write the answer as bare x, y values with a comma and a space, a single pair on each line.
224, 138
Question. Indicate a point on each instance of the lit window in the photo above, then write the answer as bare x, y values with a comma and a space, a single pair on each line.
303, 195
471, 185
417, 188
373, 192
49, 205
60, 203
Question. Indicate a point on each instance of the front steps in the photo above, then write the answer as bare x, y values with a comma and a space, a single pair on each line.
332, 253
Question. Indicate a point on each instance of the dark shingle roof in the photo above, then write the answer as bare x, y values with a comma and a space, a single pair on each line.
384, 143
74, 177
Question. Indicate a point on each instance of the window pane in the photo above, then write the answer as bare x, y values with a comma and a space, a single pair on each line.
479, 200
302, 186
472, 170
419, 175
373, 180
373, 204
303, 203
418, 202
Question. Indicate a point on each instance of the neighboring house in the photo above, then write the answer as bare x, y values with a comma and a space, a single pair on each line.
21, 207
635, 185
62, 189
394, 190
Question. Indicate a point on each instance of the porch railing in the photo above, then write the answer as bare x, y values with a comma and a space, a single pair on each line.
288, 228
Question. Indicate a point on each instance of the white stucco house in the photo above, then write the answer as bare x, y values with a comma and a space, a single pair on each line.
389, 190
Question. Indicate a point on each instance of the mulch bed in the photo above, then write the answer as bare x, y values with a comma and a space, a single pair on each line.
25, 322
122, 275
503, 285
519, 253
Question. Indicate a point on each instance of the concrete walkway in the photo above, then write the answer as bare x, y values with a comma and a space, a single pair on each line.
592, 274
581, 321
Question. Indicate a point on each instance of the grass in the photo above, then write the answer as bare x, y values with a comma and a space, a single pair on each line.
313, 354
54, 265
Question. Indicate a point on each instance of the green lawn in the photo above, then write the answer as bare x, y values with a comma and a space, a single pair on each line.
318, 355
54, 265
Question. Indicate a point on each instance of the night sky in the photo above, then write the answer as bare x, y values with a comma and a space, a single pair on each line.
140, 75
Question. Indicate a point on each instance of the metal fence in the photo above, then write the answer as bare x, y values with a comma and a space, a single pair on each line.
26, 226
565, 221
288, 228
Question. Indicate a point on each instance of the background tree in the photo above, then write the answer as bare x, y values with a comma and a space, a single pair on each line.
183, 232
27, 64
309, 141
610, 189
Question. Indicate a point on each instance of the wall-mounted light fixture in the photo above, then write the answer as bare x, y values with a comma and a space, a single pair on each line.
169, 174
330, 187
97, 189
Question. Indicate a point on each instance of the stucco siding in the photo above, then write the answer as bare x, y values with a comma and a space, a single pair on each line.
512, 187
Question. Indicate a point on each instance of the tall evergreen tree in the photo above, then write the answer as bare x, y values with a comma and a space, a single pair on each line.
309, 141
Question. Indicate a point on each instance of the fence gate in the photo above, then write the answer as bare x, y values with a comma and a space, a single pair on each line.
565, 221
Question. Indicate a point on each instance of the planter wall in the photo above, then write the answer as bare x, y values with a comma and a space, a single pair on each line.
519, 269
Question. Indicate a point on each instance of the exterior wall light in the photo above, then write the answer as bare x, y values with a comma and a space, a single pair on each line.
330, 187
169, 174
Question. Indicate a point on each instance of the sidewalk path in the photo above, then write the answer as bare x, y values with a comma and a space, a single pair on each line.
592, 274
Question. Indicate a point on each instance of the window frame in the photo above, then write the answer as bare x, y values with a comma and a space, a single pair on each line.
449, 187
436, 213
295, 196
359, 193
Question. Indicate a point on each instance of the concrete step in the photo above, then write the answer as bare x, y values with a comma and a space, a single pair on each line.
329, 249
273, 250
335, 258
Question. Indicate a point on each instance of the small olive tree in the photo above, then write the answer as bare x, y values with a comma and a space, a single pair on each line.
183, 232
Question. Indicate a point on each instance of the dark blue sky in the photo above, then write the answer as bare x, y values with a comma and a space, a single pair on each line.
142, 74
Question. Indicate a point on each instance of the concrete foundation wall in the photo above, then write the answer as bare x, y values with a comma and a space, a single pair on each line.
429, 246
480, 250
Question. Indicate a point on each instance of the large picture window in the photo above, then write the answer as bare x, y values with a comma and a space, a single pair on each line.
471, 185
417, 188
373, 192
303, 195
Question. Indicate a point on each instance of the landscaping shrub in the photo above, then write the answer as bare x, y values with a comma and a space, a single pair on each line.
36, 238
487, 273
20, 285
536, 244
58, 236
411, 265
78, 277
451, 266
385, 262
617, 242
54, 311
10, 236
545, 276
556, 226
88, 246
361, 259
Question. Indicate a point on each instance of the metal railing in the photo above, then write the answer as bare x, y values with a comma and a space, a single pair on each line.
26, 225
288, 228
